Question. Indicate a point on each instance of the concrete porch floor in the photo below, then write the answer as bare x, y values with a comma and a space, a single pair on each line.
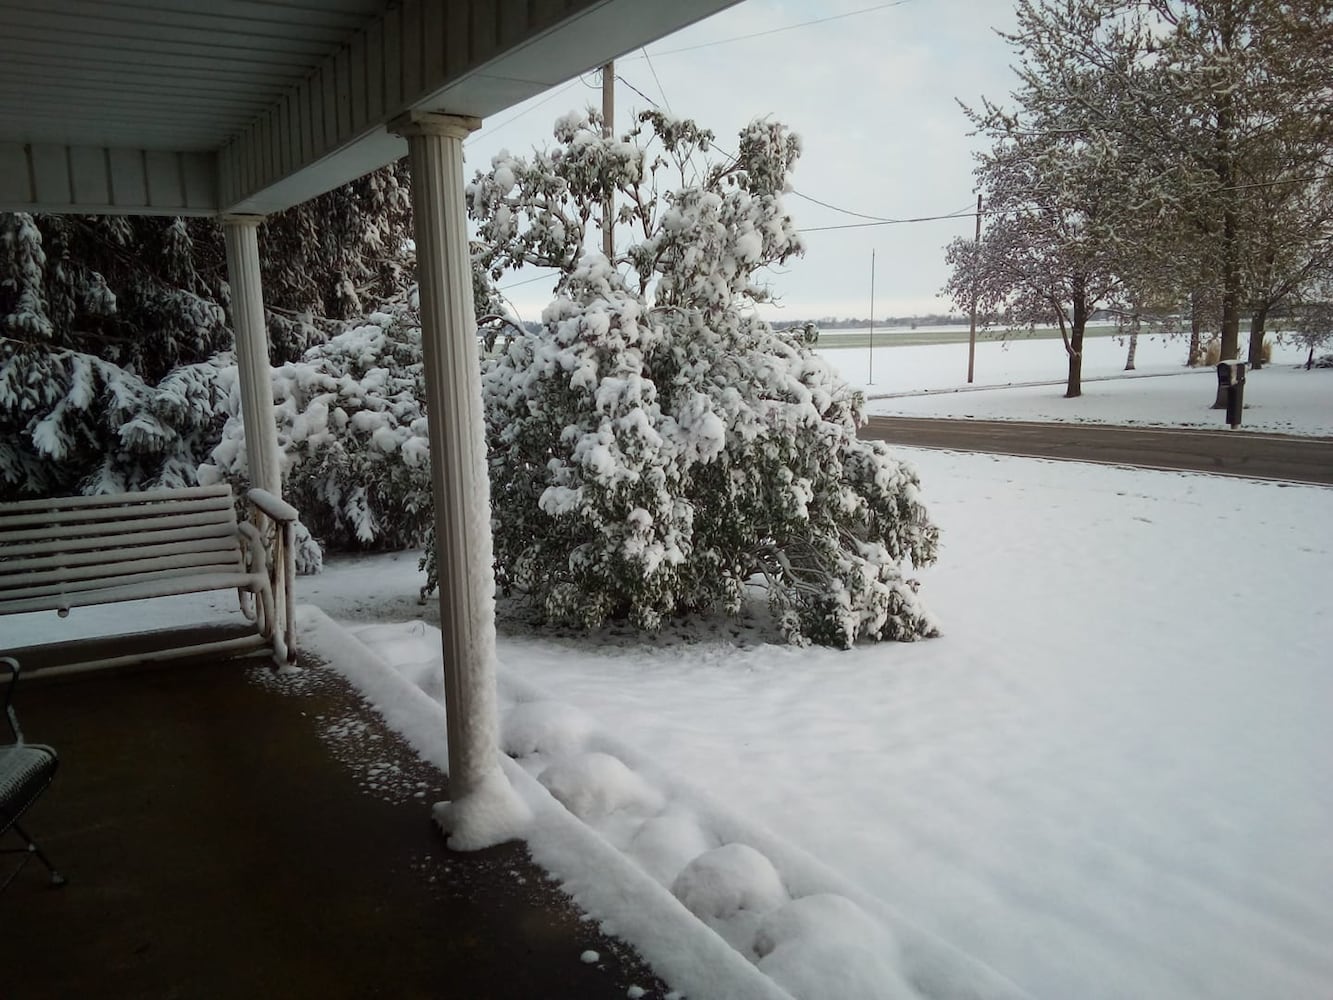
217, 845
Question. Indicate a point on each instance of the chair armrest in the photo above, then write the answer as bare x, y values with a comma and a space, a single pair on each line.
278, 510
10, 715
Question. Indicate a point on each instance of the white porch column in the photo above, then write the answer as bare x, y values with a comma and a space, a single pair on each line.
484, 809
257, 418
247, 310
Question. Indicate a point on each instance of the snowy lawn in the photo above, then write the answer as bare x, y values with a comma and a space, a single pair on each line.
1111, 777
1281, 398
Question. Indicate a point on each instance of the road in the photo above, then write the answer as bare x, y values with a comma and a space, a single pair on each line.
1223, 452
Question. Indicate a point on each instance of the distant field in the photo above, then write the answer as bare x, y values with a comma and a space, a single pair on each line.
901, 337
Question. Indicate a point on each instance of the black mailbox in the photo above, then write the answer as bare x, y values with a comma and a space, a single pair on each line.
1231, 377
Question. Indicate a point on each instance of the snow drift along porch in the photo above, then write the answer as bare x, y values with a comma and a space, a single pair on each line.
250, 107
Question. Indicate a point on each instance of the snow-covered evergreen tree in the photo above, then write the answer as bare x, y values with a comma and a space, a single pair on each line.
107, 334
338, 256
113, 329
657, 445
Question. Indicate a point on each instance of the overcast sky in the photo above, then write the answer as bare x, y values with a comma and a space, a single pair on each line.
872, 95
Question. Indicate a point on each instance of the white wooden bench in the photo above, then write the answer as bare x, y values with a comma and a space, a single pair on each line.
70, 552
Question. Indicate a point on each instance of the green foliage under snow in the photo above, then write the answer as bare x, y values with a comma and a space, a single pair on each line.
352, 433
114, 330
657, 446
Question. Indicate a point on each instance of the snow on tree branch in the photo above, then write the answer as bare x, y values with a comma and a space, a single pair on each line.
656, 445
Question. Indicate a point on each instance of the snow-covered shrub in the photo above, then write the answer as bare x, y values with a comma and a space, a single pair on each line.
352, 432
656, 445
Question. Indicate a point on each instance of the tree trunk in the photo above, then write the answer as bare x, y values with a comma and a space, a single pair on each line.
1196, 327
1309, 361
1231, 290
1230, 304
1074, 388
1133, 345
1257, 322
1226, 177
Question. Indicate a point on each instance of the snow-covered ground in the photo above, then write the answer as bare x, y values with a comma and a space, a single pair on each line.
1281, 398
1110, 778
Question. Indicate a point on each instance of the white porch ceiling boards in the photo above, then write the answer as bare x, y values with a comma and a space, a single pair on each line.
217, 106
159, 74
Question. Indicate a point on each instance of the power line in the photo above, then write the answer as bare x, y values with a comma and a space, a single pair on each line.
788, 27
691, 48
656, 79
816, 201
882, 220
637, 91
508, 121
525, 281
890, 222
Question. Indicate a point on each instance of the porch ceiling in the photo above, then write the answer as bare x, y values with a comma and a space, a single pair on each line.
159, 74
180, 107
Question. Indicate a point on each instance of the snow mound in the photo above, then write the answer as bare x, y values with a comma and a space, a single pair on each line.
665, 844
824, 914
595, 785
825, 945
734, 877
552, 728
406, 649
826, 967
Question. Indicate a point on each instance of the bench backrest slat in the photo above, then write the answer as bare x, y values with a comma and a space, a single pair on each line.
118, 499
127, 540
104, 514
110, 529
117, 574
50, 596
125, 562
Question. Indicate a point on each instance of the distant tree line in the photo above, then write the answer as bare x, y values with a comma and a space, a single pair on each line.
857, 322
1160, 160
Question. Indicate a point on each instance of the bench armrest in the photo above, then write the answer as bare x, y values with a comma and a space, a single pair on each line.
280, 569
278, 510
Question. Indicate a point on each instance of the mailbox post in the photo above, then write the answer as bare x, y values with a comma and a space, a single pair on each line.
1231, 377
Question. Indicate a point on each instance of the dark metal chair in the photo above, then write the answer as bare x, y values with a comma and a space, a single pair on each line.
25, 771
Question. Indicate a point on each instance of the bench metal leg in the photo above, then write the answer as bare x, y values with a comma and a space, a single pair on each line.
56, 878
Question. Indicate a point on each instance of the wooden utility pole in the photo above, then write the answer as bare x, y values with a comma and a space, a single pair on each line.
608, 123
871, 379
972, 327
